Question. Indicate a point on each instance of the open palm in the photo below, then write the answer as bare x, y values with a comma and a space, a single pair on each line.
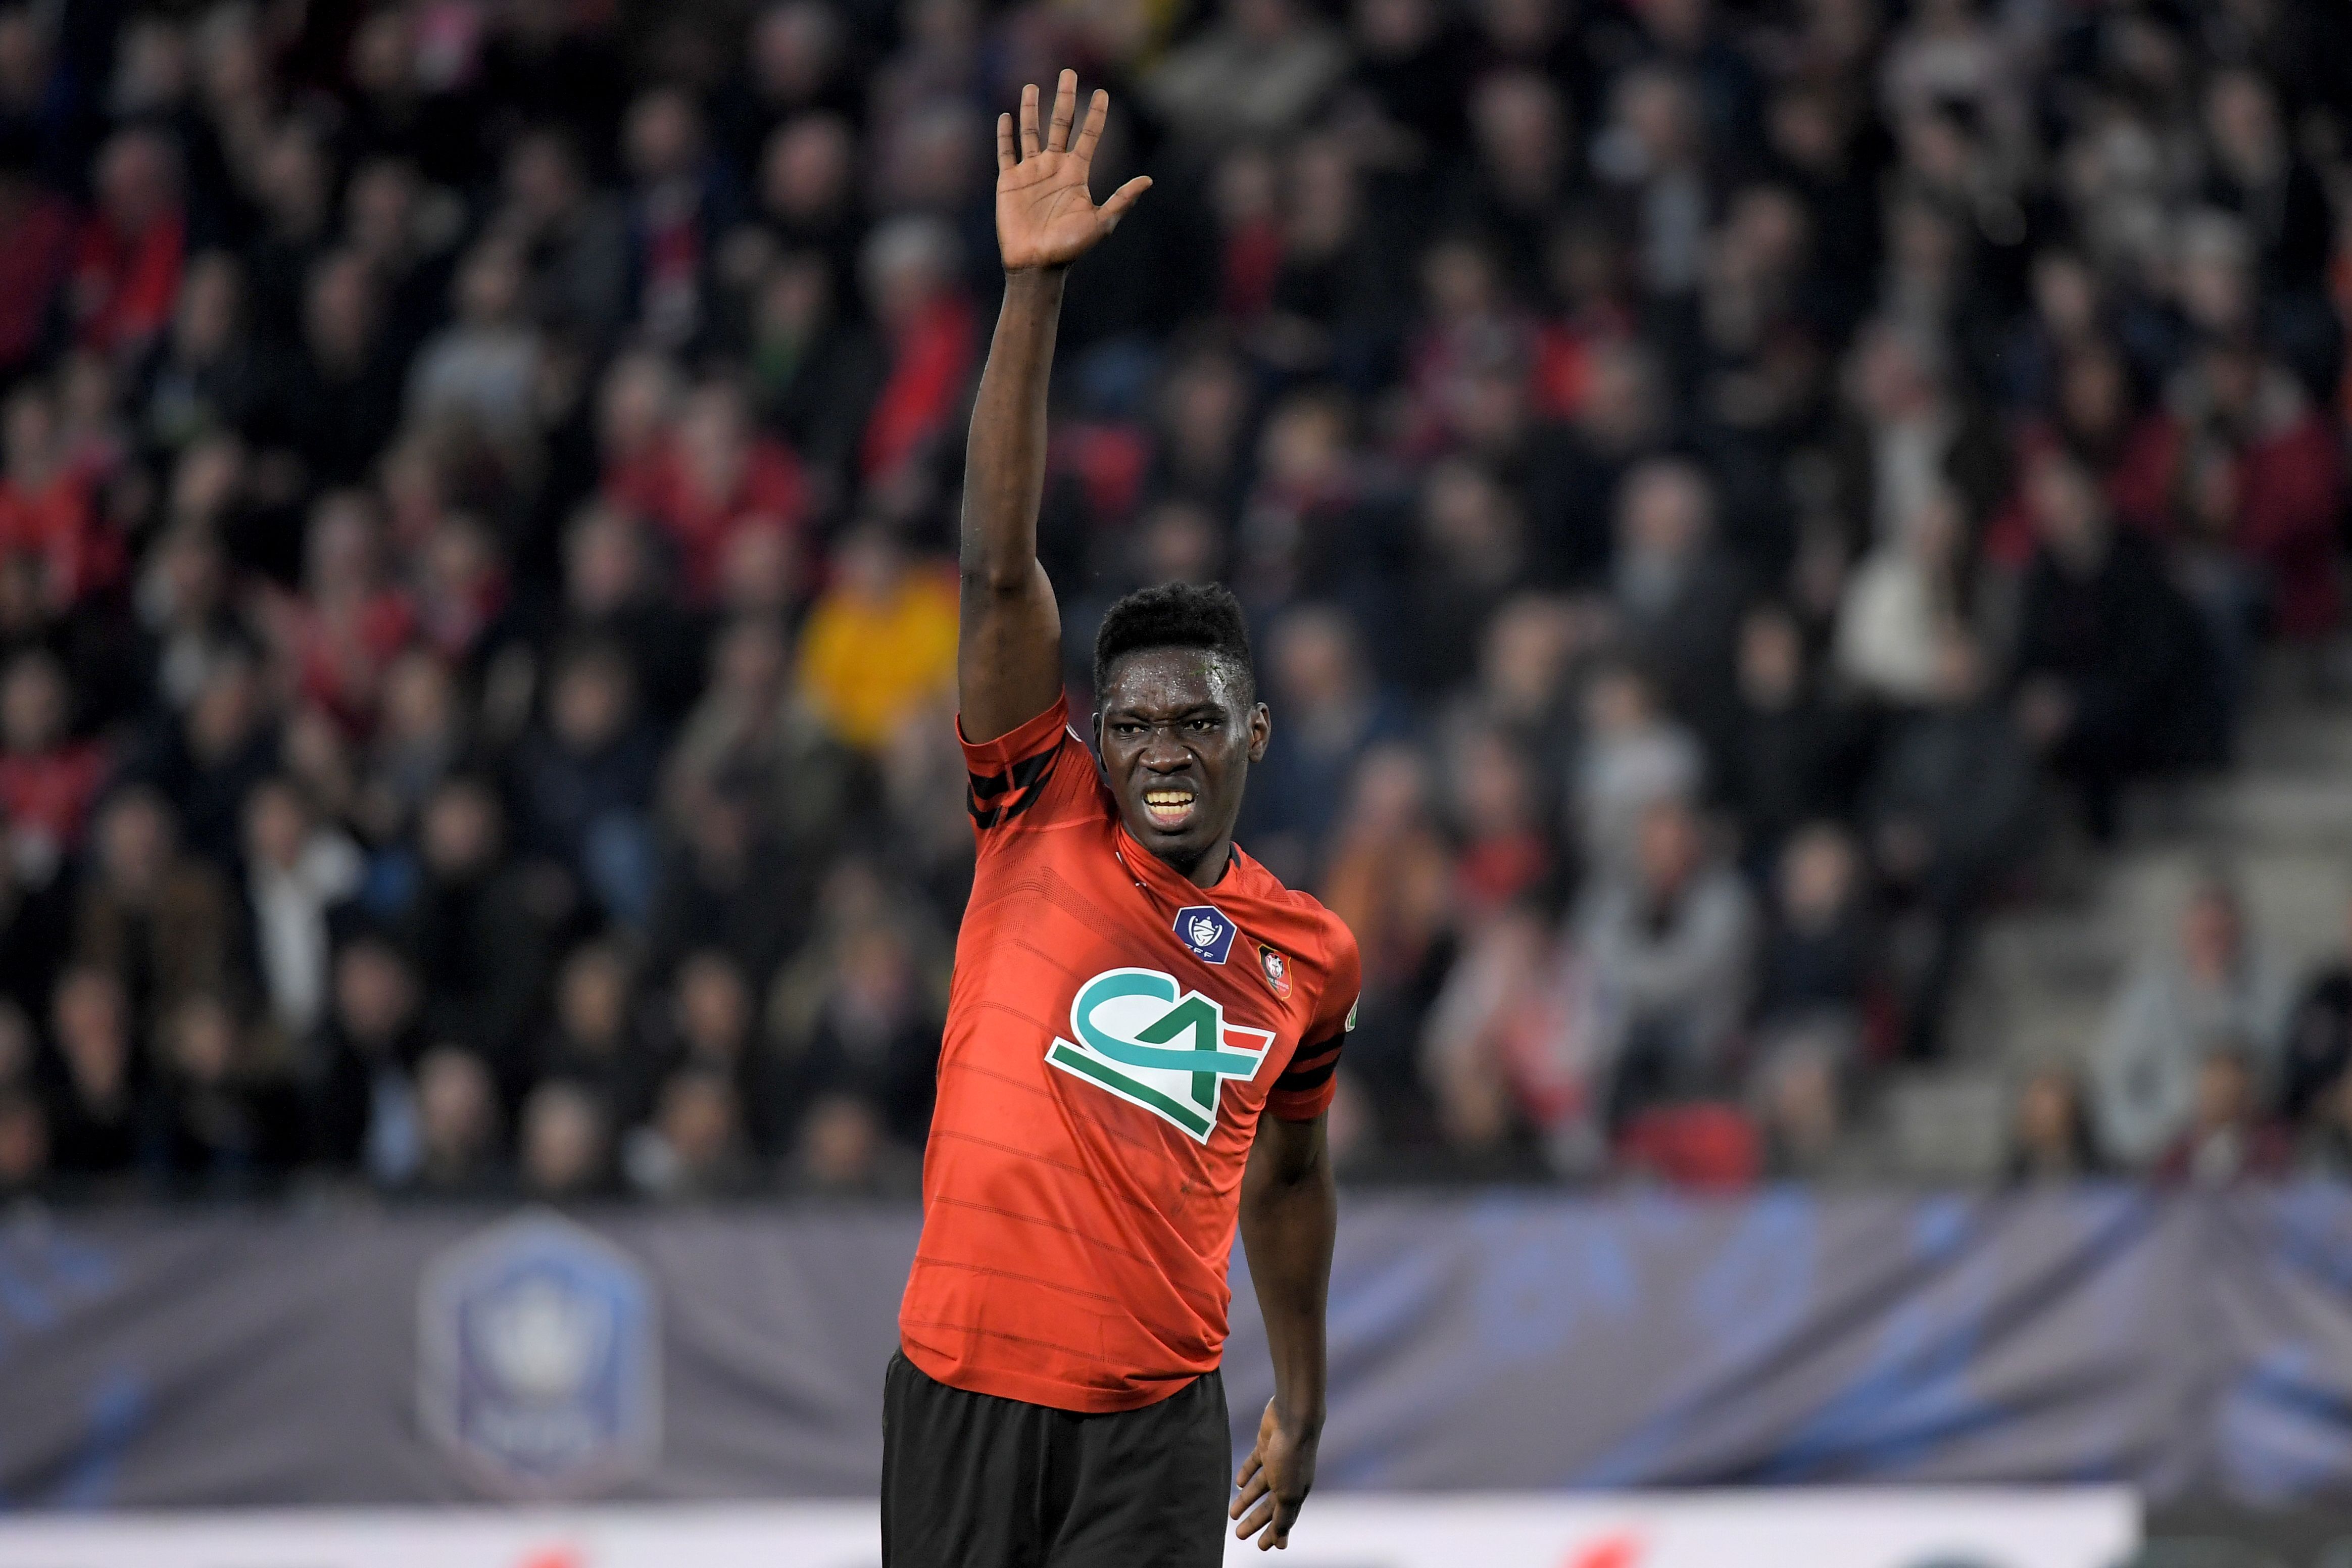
1045, 215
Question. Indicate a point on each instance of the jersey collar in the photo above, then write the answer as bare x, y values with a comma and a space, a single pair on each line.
1155, 875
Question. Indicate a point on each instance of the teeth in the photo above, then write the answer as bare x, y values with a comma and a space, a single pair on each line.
1166, 797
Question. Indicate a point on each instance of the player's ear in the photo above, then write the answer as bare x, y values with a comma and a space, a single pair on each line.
1261, 730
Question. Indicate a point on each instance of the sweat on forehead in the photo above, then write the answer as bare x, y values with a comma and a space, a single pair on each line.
1159, 674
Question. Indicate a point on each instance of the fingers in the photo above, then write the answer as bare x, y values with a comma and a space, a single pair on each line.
1257, 1519
1123, 198
1004, 143
1250, 1466
1030, 146
1090, 133
1066, 110
1255, 1486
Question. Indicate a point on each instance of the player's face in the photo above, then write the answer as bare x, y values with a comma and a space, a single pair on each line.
1177, 741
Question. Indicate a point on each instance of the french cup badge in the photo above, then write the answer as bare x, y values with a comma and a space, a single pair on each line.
539, 1365
1205, 933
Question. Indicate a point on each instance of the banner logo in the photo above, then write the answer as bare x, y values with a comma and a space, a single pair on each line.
1153, 1044
539, 1358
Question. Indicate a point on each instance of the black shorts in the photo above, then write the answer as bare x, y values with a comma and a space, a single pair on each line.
970, 1480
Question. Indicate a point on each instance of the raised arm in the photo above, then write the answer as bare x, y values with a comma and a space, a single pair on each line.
1009, 640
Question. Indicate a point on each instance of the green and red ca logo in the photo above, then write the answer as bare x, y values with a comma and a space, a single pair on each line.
1153, 1044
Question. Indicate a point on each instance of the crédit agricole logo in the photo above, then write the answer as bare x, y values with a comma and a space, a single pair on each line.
1153, 1044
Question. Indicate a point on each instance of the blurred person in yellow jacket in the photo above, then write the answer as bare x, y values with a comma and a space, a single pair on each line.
880, 643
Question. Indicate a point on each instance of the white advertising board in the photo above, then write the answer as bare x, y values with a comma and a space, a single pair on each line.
2072, 1528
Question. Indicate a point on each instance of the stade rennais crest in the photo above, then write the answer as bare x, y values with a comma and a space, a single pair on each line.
1148, 1040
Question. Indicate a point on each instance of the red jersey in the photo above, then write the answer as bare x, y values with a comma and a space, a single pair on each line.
1113, 1035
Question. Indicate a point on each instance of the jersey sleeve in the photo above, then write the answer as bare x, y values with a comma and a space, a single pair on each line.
1304, 1090
1027, 777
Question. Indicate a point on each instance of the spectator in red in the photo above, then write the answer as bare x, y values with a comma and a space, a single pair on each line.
47, 505
36, 254
2277, 489
1245, 197
716, 477
462, 588
1506, 854
46, 780
342, 631
127, 267
1507, 1049
2134, 452
1468, 325
910, 279
1585, 266
636, 409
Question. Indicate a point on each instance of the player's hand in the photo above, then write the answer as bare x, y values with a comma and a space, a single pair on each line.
1273, 1481
1045, 215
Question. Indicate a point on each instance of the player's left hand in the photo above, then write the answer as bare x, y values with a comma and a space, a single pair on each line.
1044, 218
1273, 1481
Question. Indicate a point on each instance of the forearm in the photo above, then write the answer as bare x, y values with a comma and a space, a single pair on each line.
1004, 462
1008, 658
1287, 1222
1008, 644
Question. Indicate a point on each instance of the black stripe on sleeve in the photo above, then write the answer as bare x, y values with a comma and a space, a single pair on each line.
1311, 1068
1312, 1077
1001, 797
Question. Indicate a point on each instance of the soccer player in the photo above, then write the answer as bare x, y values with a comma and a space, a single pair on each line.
1139, 1044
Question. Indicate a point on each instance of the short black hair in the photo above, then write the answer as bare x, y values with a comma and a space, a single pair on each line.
1177, 615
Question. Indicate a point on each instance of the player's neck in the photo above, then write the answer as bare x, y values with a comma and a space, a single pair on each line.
1205, 869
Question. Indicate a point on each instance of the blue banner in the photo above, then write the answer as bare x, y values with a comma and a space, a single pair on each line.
2175, 1342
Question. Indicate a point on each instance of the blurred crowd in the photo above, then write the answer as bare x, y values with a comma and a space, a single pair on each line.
1717, 484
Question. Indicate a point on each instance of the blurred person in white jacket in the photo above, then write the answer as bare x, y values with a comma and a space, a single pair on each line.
1901, 605
2213, 984
1671, 950
295, 871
